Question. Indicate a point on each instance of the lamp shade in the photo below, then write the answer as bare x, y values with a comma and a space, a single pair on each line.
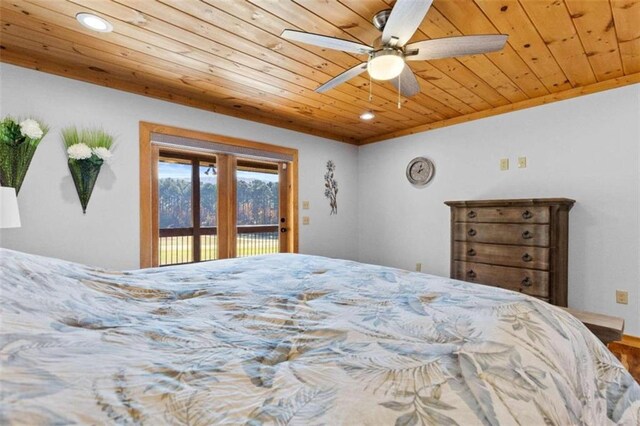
9, 214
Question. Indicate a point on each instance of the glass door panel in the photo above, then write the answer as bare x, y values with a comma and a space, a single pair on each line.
220, 206
174, 211
208, 210
257, 198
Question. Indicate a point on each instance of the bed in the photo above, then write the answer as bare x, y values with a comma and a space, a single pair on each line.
292, 339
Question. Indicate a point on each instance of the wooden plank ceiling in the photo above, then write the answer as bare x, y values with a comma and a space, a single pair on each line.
227, 56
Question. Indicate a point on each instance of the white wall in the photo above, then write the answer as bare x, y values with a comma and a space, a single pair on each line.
584, 148
108, 235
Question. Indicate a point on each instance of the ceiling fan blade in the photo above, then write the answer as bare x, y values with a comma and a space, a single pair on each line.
326, 41
341, 78
406, 16
455, 46
406, 82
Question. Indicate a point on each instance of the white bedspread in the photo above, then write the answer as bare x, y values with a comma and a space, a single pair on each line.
292, 339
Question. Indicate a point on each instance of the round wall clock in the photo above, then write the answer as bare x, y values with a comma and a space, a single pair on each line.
420, 171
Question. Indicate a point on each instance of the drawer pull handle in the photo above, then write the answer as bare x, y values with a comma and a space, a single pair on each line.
527, 282
527, 257
527, 235
471, 252
471, 214
472, 232
527, 214
471, 273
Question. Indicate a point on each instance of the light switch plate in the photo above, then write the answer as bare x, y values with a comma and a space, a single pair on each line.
419, 267
305, 220
622, 297
305, 205
504, 164
522, 162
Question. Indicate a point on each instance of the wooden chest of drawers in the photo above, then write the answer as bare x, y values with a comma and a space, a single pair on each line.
519, 245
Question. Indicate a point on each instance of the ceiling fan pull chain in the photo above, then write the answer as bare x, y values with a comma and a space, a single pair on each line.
370, 89
399, 87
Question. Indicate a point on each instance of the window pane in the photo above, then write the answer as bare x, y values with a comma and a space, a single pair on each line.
174, 211
174, 194
208, 195
257, 198
258, 215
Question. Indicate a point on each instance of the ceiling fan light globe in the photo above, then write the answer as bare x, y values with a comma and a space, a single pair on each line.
385, 66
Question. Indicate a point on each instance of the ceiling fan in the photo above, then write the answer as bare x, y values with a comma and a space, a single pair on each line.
389, 52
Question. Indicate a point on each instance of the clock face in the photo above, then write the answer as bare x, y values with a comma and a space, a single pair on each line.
420, 171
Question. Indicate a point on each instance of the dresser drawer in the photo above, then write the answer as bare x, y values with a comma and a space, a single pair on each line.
516, 234
505, 255
528, 281
502, 214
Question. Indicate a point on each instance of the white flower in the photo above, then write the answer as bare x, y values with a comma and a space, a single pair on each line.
79, 151
31, 129
102, 153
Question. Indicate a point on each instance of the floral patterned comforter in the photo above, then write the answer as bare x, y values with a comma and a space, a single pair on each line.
292, 339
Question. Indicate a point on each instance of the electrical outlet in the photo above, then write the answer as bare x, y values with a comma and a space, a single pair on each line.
622, 297
504, 164
305, 220
418, 267
305, 205
522, 162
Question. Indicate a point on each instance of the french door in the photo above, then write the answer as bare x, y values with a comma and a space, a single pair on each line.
207, 205
218, 206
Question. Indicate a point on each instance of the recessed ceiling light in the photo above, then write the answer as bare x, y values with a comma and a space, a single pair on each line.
94, 22
367, 115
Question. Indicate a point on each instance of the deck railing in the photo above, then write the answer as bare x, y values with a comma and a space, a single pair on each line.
176, 244
253, 240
